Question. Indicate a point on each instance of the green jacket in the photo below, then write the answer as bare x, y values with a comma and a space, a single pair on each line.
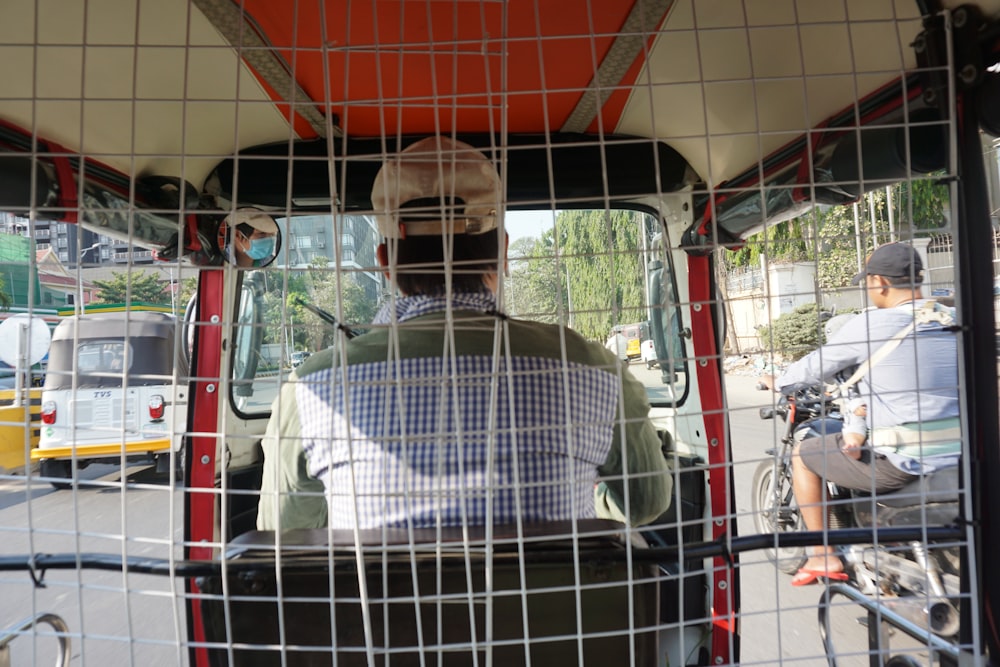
290, 498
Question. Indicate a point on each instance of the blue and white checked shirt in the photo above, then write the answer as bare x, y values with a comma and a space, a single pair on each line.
456, 440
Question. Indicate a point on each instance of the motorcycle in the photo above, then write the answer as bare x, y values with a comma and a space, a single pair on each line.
913, 587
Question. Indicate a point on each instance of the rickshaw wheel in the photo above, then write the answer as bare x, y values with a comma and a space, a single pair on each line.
55, 468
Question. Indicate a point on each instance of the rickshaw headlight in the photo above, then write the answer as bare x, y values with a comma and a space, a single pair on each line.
49, 412
156, 407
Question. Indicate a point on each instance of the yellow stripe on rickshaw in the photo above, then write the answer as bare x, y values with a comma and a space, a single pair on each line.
101, 449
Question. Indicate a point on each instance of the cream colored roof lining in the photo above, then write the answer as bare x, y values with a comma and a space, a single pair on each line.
133, 97
269, 65
768, 71
755, 75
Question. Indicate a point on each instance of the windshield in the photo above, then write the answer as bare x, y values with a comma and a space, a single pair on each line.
102, 357
107, 362
602, 273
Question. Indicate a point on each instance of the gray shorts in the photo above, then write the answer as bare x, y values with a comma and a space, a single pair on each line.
873, 472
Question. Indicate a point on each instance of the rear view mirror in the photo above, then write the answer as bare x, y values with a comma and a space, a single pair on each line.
249, 238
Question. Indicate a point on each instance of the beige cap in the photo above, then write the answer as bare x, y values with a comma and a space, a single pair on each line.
434, 185
256, 218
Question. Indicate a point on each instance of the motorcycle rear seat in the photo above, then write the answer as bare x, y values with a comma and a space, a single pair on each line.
939, 487
928, 500
425, 590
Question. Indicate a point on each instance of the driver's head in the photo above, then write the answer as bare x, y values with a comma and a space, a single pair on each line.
437, 206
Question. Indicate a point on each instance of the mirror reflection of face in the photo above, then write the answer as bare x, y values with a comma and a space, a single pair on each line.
256, 247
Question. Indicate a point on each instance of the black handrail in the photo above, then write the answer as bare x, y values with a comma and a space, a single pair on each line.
38, 564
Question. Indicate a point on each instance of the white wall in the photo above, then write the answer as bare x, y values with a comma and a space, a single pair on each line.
754, 301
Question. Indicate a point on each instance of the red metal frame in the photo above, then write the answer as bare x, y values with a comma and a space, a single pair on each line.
201, 456
723, 576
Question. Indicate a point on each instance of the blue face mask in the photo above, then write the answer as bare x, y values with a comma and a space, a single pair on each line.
261, 248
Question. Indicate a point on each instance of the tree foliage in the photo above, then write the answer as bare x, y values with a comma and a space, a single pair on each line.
185, 291
6, 300
828, 234
319, 286
588, 273
784, 242
536, 288
796, 333
129, 287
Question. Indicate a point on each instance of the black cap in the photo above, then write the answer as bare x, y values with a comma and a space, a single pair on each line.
893, 260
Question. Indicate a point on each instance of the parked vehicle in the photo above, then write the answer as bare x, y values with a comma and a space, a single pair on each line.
111, 392
649, 356
618, 345
633, 335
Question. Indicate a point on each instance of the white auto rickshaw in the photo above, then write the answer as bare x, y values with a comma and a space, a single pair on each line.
110, 394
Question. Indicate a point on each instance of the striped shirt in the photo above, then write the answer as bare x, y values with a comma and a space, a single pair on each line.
447, 442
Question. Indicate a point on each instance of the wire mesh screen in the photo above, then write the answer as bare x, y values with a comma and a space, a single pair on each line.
435, 332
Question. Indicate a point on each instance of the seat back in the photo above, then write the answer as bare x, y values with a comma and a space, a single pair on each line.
440, 599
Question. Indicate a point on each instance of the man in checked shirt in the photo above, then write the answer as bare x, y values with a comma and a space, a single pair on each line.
447, 412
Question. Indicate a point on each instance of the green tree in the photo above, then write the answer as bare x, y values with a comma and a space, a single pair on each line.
536, 288
783, 242
282, 311
838, 260
339, 295
186, 290
6, 301
921, 201
796, 333
828, 236
603, 254
131, 287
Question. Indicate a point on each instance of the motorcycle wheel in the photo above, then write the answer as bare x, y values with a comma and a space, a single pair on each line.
775, 512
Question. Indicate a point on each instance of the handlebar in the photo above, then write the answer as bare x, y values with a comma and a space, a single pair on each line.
810, 401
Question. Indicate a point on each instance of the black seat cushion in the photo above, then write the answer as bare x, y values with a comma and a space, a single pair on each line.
430, 597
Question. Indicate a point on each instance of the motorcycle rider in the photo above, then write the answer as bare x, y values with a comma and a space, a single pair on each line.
909, 394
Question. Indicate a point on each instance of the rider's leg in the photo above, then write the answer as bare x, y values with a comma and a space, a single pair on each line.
817, 461
810, 494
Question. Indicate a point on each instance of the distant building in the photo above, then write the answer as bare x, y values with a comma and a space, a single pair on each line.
59, 286
314, 237
44, 283
72, 244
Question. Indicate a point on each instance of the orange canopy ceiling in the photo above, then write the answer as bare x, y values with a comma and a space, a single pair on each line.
425, 66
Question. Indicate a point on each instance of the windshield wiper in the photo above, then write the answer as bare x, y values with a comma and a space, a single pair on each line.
326, 317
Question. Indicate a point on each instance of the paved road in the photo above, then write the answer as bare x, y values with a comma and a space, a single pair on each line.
140, 514
135, 517
778, 621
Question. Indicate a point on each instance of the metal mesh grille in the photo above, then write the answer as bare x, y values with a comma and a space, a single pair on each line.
565, 462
